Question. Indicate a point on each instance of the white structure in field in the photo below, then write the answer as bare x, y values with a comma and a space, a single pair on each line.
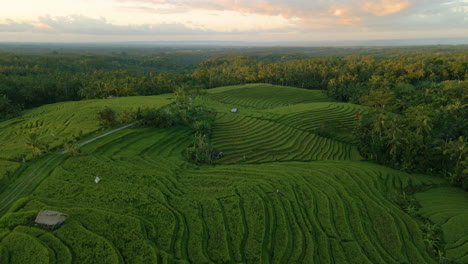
234, 110
50, 219
96, 180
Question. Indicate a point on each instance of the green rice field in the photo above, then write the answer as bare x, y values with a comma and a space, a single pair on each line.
58, 122
281, 193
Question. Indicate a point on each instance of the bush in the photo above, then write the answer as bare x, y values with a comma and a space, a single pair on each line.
202, 127
155, 118
107, 116
199, 151
200, 120
127, 117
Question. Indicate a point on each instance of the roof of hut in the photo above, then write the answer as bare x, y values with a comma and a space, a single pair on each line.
50, 218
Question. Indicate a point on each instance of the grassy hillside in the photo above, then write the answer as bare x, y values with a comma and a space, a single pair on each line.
57, 122
7, 168
295, 197
264, 96
448, 208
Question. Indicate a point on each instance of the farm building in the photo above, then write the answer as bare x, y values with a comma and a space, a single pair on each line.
51, 219
234, 110
216, 154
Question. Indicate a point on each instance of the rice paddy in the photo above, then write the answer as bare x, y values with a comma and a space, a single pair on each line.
280, 194
447, 207
62, 121
265, 96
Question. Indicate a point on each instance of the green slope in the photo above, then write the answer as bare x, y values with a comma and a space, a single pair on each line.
297, 197
264, 96
57, 122
448, 208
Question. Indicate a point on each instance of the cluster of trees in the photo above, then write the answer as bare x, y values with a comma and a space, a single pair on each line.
344, 78
184, 113
180, 113
428, 138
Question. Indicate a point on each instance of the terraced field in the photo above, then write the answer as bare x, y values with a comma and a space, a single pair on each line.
265, 96
57, 122
314, 202
335, 119
448, 208
252, 140
152, 206
280, 124
7, 168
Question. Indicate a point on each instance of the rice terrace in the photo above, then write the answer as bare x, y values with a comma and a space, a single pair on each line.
247, 156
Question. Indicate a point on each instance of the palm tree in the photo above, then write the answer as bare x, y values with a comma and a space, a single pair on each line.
394, 137
36, 144
419, 119
457, 151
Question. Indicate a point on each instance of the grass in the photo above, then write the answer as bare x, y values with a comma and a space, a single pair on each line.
264, 96
252, 140
334, 120
447, 208
62, 121
297, 197
7, 168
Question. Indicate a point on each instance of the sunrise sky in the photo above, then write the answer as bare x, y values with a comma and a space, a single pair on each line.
224, 20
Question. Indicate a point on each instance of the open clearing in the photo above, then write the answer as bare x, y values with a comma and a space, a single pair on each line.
281, 193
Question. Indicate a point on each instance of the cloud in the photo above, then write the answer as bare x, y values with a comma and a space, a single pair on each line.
385, 7
12, 26
425, 15
85, 25
323, 14
222, 17
77, 24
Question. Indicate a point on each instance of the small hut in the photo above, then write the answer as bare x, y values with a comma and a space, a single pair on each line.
234, 110
216, 154
50, 219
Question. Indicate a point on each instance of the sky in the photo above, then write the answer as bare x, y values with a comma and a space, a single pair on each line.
234, 20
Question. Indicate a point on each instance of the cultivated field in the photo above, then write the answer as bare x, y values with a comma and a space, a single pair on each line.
281, 193
62, 121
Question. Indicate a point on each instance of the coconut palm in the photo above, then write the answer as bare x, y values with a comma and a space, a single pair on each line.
36, 144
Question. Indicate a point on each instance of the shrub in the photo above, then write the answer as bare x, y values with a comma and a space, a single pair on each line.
127, 116
202, 127
107, 116
155, 117
199, 151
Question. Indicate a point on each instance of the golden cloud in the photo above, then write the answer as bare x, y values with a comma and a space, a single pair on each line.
385, 7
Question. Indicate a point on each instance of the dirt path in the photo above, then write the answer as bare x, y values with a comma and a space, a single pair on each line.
12, 194
100, 136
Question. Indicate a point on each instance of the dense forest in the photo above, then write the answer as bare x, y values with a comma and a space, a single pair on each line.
417, 96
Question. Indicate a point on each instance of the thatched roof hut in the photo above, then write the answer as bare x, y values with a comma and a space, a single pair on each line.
50, 219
